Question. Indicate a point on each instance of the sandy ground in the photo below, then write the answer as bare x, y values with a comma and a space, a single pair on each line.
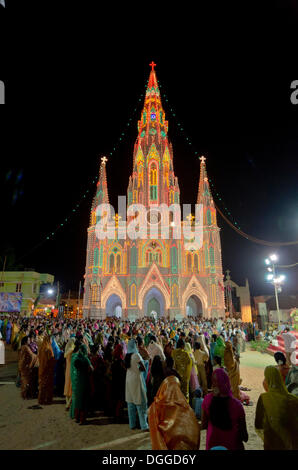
51, 428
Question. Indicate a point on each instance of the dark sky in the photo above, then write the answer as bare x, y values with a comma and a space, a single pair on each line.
73, 79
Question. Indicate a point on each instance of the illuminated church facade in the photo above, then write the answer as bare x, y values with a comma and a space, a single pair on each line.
165, 277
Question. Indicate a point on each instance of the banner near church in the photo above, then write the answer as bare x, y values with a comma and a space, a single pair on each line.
10, 302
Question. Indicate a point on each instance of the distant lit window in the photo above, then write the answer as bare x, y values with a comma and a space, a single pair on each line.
153, 116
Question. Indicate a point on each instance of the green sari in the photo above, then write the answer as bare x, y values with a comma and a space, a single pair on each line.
80, 383
219, 349
276, 420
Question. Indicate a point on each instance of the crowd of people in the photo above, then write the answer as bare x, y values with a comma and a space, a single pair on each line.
170, 378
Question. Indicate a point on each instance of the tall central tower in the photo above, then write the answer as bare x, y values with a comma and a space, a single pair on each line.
153, 275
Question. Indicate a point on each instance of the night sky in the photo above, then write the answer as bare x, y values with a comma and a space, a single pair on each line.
73, 81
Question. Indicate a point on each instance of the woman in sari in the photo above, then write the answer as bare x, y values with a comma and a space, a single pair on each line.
80, 384
282, 365
223, 416
276, 414
156, 377
232, 367
135, 387
183, 365
173, 424
27, 361
118, 383
46, 372
193, 383
69, 349
219, 349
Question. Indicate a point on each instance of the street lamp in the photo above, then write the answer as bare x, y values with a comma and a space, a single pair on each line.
274, 279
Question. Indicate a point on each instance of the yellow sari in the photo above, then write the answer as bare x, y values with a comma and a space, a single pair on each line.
183, 365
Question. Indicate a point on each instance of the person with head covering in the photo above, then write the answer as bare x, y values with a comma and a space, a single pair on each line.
183, 365
193, 382
46, 372
27, 362
2, 350
232, 367
173, 424
155, 349
201, 358
80, 381
276, 419
156, 377
135, 387
118, 383
69, 349
220, 348
223, 415
282, 366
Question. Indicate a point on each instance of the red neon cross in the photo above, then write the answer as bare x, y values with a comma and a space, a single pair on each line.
152, 65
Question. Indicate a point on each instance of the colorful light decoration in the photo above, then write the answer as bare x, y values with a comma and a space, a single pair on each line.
131, 270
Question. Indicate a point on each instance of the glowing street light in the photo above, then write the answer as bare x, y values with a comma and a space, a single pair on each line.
50, 291
275, 280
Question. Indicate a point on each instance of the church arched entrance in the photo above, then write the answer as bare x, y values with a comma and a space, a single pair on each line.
194, 307
154, 303
114, 306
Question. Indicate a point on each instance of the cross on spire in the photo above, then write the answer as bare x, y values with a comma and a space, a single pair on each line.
104, 160
202, 158
152, 65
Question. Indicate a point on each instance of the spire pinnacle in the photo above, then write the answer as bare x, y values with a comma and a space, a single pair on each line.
152, 65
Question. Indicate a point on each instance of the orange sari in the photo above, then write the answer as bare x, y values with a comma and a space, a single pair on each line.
172, 422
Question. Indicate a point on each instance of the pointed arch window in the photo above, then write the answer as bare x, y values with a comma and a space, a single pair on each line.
153, 182
174, 295
112, 262
196, 262
118, 263
94, 294
189, 262
133, 294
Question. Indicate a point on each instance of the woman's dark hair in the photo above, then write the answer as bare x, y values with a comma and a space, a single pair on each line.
180, 343
153, 338
219, 413
214, 337
169, 362
139, 340
197, 345
156, 367
24, 340
206, 341
127, 360
279, 356
78, 343
94, 349
217, 360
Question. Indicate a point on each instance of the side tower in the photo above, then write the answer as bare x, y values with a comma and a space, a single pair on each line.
214, 283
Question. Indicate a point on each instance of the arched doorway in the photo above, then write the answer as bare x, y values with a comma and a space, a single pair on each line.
194, 307
114, 306
154, 303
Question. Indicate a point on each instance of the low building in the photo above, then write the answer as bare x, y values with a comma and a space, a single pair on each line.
238, 299
24, 283
265, 307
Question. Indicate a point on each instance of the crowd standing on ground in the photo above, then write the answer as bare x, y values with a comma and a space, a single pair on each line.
170, 378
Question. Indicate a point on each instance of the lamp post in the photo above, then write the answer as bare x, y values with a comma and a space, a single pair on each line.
275, 280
